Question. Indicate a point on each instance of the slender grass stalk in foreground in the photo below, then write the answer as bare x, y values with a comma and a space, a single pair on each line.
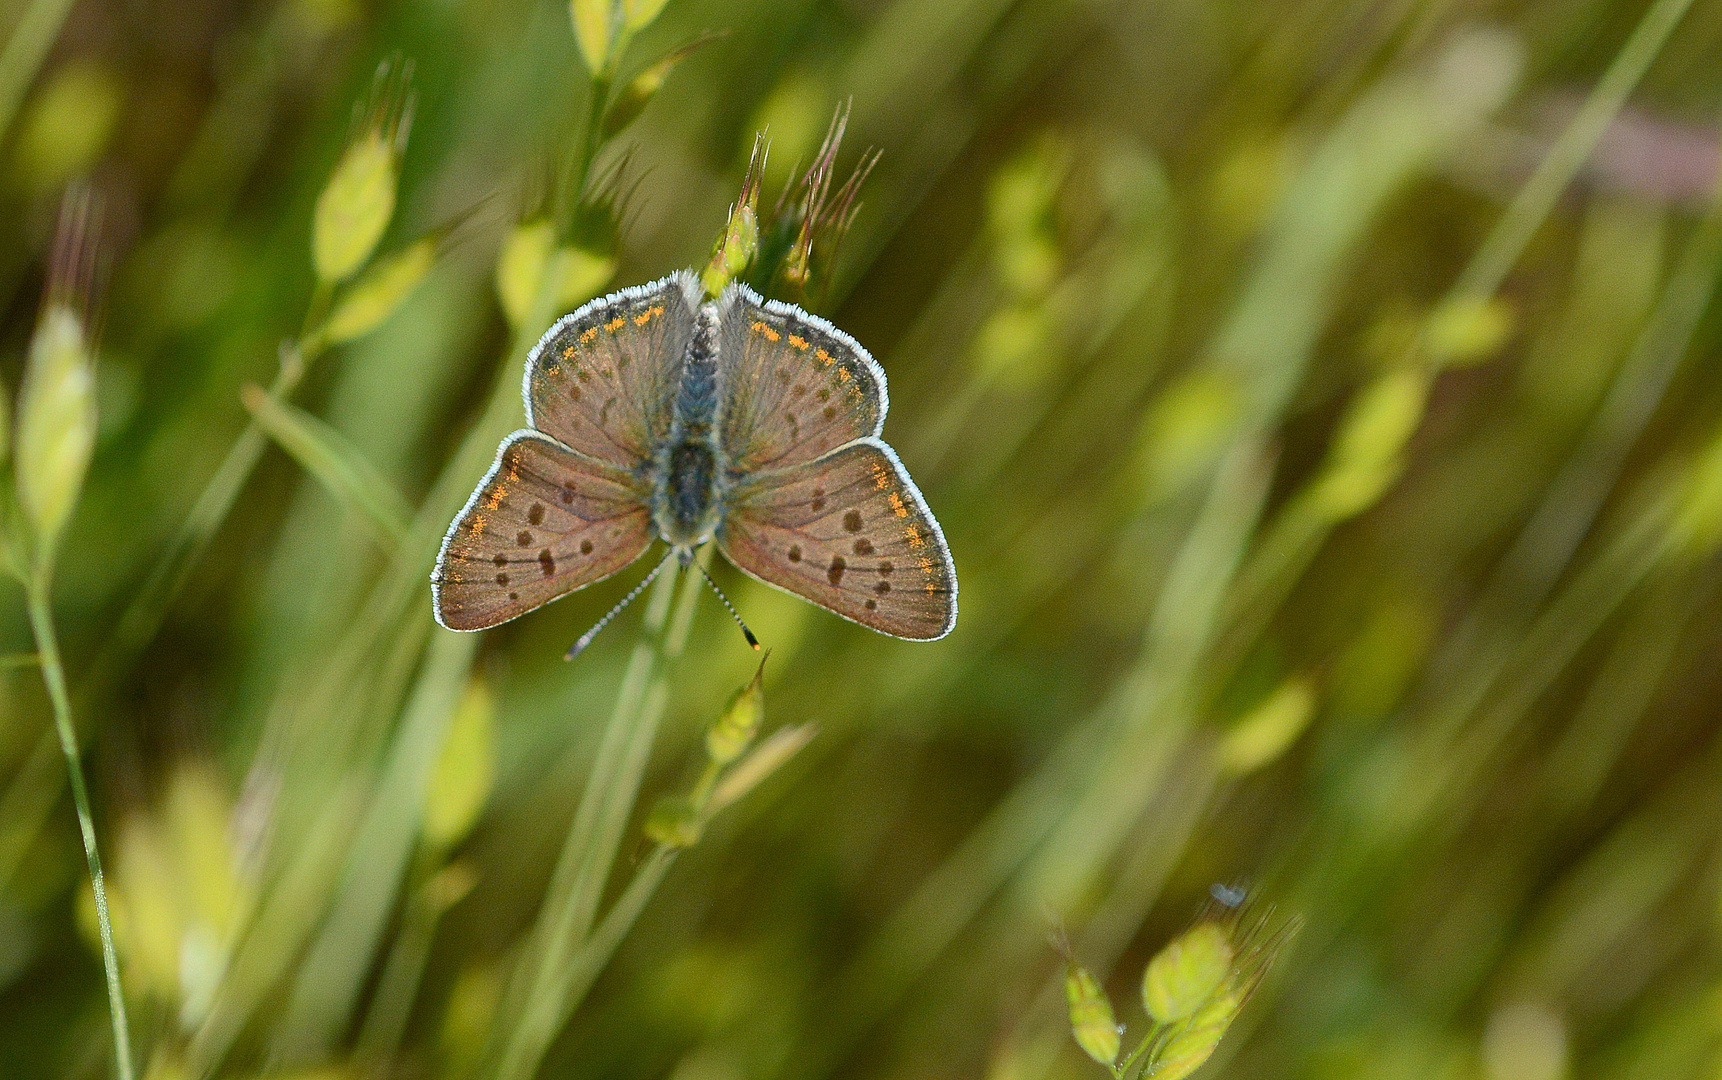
50, 451
565, 921
47, 644
1536, 198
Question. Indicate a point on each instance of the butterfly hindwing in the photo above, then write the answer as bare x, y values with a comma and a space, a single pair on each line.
543, 522
602, 379
795, 387
849, 532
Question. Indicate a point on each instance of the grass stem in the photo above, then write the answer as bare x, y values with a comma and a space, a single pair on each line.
48, 646
1531, 206
566, 950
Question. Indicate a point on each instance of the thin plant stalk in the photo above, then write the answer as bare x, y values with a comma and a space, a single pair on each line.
1536, 198
54, 675
563, 938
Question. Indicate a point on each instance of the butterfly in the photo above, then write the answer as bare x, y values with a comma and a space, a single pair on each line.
655, 413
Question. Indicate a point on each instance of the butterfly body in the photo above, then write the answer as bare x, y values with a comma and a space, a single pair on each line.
688, 472
658, 414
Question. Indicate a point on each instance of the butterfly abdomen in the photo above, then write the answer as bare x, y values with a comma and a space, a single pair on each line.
686, 509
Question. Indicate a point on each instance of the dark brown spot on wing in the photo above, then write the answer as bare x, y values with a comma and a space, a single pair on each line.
882, 588
871, 605
886, 568
567, 495
830, 412
795, 553
524, 539
863, 546
502, 579
835, 573
851, 521
535, 515
548, 562
585, 547
501, 559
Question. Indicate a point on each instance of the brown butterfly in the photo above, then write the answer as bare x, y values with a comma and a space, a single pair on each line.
657, 414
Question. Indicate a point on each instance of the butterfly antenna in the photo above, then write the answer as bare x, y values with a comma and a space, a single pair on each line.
585, 639
751, 640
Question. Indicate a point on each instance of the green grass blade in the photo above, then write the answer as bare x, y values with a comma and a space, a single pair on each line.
332, 460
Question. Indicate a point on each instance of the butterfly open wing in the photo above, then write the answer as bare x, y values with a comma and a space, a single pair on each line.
543, 522
849, 532
601, 380
795, 387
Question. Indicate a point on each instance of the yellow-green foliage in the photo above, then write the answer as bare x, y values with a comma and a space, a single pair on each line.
1318, 398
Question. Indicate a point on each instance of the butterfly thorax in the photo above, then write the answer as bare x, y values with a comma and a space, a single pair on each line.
687, 500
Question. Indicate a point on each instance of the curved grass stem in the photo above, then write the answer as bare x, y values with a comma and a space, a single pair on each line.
54, 675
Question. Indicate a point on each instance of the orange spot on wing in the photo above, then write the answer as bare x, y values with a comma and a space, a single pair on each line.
927, 568
897, 506
616, 324
568, 350
824, 356
914, 534
843, 373
645, 316
588, 336
881, 477
799, 342
760, 328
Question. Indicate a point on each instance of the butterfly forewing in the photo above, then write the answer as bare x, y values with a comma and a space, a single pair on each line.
795, 387
850, 533
602, 379
543, 522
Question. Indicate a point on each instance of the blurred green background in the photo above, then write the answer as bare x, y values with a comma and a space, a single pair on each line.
1318, 397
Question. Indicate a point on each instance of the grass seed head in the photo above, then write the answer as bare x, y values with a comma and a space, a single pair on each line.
56, 423
738, 245
1266, 731
354, 208
376, 295
738, 724
1091, 1018
1193, 1042
1184, 976
530, 259
675, 822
